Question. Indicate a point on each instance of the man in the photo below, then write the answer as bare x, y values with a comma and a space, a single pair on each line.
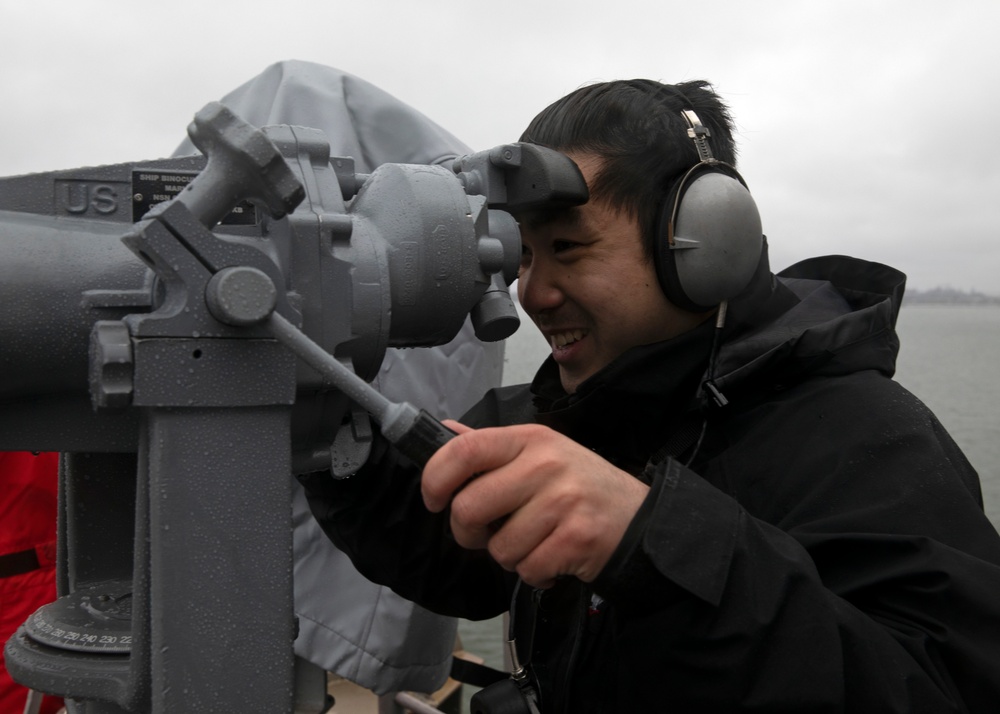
725, 507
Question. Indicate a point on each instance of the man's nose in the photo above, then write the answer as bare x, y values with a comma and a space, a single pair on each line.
538, 287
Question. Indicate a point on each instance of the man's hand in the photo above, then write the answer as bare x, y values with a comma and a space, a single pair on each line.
541, 504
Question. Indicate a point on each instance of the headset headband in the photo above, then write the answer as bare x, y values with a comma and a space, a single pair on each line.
699, 133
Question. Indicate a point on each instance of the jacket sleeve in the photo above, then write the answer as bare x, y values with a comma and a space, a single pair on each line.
378, 518
848, 568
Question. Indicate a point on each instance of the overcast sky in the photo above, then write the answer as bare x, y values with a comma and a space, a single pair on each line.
867, 128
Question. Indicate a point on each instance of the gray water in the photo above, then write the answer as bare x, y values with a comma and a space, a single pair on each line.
947, 358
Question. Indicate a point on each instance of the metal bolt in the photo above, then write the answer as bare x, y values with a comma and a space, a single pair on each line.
240, 296
111, 365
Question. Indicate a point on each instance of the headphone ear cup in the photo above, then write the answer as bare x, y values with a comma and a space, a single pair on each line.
717, 238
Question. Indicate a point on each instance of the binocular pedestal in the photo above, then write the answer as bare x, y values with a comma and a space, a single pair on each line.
211, 555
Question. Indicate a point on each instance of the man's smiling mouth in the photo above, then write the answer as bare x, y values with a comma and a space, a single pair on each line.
561, 339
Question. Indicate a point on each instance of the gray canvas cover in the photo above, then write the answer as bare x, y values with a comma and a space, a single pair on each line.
348, 625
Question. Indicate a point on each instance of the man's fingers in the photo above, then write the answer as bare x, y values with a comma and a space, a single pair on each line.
541, 504
472, 452
497, 509
457, 426
520, 535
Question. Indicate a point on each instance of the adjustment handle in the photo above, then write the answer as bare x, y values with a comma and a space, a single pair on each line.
243, 164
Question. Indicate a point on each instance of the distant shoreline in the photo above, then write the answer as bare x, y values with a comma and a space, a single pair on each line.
947, 296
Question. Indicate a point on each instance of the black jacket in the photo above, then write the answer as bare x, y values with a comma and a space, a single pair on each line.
825, 550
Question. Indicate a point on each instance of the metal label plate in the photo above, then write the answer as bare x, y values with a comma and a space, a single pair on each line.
150, 187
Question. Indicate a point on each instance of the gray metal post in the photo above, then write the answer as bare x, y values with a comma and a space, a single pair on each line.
220, 560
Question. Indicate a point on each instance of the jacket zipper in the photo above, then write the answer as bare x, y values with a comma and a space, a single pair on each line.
563, 690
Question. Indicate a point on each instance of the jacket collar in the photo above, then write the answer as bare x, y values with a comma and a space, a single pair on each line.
630, 406
827, 315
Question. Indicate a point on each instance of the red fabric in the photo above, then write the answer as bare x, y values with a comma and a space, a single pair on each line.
28, 487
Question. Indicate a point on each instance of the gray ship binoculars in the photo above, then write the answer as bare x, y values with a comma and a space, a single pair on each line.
180, 429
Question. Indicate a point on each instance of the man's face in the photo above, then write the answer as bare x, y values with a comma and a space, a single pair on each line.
587, 284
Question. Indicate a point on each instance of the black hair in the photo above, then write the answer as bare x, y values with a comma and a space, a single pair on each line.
636, 127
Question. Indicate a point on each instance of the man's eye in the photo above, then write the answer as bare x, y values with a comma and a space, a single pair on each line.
525, 260
562, 245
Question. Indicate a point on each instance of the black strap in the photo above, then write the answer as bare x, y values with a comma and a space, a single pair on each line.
23, 561
685, 436
478, 675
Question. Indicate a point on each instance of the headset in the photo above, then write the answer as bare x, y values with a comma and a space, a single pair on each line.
708, 235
